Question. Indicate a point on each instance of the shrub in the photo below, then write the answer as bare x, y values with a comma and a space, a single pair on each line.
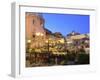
83, 58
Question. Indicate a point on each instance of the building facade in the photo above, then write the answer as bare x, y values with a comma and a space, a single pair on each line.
35, 33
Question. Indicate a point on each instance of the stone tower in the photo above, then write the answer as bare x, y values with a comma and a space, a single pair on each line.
35, 33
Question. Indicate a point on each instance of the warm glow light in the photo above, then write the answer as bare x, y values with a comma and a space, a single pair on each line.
39, 34
38, 50
29, 41
30, 50
62, 40
69, 42
46, 41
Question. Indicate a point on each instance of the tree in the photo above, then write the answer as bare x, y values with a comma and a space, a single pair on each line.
58, 35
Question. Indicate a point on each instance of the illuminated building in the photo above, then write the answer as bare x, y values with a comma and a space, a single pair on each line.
35, 32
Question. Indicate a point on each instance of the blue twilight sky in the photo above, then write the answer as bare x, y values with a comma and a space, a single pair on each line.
66, 23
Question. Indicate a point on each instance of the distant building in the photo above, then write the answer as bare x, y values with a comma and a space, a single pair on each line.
76, 36
78, 40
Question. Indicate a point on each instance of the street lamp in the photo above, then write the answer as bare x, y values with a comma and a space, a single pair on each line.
39, 43
29, 49
48, 43
28, 44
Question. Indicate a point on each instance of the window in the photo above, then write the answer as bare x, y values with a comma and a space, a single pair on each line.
33, 21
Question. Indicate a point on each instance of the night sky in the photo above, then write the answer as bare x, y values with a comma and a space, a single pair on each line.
66, 23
